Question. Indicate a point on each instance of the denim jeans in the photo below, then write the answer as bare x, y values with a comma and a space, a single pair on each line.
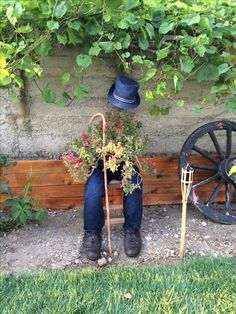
93, 202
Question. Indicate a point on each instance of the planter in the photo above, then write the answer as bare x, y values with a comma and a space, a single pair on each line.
54, 187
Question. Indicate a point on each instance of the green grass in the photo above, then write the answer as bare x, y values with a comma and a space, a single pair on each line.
200, 285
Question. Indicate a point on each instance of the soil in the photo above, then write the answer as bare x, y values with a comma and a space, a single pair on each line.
57, 242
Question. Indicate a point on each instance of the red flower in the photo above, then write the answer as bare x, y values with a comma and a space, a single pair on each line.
84, 135
85, 143
119, 128
153, 163
78, 161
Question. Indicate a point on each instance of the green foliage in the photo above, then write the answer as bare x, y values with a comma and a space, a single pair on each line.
197, 285
171, 41
4, 165
22, 207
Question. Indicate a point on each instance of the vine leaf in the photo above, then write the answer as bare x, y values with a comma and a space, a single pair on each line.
107, 46
208, 72
48, 95
80, 92
165, 27
60, 10
143, 43
125, 39
24, 29
74, 25
191, 19
52, 25
74, 37
223, 68
148, 75
65, 78
43, 48
186, 64
93, 27
137, 59
231, 104
205, 23
62, 39
163, 53
83, 61
94, 50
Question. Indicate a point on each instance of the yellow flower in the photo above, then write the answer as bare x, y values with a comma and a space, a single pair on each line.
111, 164
110, 147
82, 152
119, 150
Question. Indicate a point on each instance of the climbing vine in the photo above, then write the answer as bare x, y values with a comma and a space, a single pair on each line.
170, 41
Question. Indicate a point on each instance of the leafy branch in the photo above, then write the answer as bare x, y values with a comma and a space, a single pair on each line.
170, 42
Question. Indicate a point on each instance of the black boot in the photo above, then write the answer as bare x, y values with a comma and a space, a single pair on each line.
132, 243
92, 245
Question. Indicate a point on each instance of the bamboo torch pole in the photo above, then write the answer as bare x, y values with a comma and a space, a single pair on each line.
105, 176
186, 185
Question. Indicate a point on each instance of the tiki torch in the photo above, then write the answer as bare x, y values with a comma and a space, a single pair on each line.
186, 185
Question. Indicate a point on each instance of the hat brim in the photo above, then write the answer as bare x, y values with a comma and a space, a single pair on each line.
121, 104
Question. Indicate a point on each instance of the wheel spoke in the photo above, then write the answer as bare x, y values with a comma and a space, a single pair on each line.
216, 144
228, 192
205, 154
229, 143
215, 192
205, 181
205, 167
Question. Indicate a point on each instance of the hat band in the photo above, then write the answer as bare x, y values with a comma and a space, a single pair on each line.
128, 101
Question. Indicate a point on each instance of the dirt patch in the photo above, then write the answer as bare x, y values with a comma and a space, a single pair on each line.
56, 243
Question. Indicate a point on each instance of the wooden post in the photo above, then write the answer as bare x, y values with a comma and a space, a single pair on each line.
186, 185
105, 176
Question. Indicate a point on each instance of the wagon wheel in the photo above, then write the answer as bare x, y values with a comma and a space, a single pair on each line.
213, 142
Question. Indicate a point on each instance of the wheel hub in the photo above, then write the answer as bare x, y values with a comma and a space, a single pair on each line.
225, 167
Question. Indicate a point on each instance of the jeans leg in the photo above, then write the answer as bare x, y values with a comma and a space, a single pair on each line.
133, 207
93, 205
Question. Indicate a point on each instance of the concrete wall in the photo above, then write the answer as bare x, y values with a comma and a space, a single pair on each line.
40, 130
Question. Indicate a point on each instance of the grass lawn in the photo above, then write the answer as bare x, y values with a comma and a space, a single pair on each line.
200, 285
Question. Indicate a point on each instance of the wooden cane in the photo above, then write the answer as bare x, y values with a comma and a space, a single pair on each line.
105, 175
186, 185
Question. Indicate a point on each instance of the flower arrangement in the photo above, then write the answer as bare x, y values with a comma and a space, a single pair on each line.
124, 144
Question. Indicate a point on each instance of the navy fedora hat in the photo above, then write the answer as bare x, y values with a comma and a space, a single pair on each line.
124, 93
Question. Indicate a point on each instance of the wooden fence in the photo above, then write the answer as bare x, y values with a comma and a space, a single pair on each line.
54, 187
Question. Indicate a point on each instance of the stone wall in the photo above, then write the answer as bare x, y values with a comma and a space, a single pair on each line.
39, 130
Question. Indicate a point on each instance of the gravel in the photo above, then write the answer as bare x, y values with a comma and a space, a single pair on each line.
57, 242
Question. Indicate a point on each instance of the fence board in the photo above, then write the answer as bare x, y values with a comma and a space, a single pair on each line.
54, 187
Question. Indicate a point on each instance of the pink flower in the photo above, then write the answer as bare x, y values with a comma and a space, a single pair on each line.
70, 157
123, 181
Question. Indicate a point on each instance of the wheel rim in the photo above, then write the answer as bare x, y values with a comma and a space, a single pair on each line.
216, 164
